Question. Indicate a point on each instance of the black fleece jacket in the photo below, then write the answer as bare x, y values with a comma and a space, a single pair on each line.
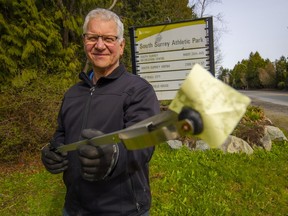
115, 102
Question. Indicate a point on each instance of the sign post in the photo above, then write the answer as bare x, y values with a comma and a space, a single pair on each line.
164, 54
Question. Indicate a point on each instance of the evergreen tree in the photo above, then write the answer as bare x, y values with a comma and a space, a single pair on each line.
282, 73
252, 76
238, 75
31, 42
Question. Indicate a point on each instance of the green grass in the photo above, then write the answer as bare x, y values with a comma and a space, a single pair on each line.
31, 192
183, 182
213, 183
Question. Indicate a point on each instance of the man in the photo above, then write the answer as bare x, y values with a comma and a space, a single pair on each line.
105, 180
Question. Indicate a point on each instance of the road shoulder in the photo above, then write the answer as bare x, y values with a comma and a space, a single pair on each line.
278, 114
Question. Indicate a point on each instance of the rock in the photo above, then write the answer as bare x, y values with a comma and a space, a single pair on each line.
174, 144
201, 145
236, 145
274, 133
271, 133
266, 142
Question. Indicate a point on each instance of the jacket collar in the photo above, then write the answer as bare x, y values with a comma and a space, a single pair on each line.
116, 73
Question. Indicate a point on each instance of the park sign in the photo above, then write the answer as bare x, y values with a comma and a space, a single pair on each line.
164, 54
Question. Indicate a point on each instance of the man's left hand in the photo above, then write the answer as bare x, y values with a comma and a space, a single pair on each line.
97, 162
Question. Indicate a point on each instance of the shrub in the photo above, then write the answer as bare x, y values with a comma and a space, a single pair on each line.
28, 116
281, 85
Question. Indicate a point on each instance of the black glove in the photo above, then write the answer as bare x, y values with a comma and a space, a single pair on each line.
54, 162
97, 162
194, 117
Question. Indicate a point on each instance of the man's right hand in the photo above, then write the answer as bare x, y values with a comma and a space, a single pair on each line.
54, 162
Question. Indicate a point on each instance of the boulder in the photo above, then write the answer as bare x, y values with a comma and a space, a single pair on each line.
266, 142
236, 145
271, 133
174, 144
274, 133
201, 145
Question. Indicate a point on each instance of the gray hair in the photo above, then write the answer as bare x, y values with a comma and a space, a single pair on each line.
106, 15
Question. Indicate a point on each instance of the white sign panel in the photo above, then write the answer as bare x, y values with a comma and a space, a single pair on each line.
164, 54
172, 56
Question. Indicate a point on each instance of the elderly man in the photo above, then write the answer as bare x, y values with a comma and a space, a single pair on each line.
105, 180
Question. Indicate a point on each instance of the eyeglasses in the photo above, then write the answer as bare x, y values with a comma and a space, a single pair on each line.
108, 40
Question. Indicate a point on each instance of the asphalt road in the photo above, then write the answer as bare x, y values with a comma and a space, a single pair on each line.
275, 97
274, 104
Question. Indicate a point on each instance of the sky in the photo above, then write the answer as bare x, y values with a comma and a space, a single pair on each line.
250, 26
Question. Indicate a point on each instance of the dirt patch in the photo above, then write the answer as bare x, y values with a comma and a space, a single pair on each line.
278, 114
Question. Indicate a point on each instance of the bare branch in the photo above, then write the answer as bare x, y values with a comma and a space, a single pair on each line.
113, 4
200, 6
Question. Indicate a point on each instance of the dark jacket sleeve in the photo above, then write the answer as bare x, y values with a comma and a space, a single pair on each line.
142, 103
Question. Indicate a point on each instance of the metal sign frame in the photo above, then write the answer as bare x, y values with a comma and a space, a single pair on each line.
164, 54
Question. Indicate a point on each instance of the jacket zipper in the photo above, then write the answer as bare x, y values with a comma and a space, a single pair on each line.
84, 77
92, 90
138, 206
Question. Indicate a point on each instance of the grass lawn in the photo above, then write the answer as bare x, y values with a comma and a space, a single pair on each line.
183, 182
